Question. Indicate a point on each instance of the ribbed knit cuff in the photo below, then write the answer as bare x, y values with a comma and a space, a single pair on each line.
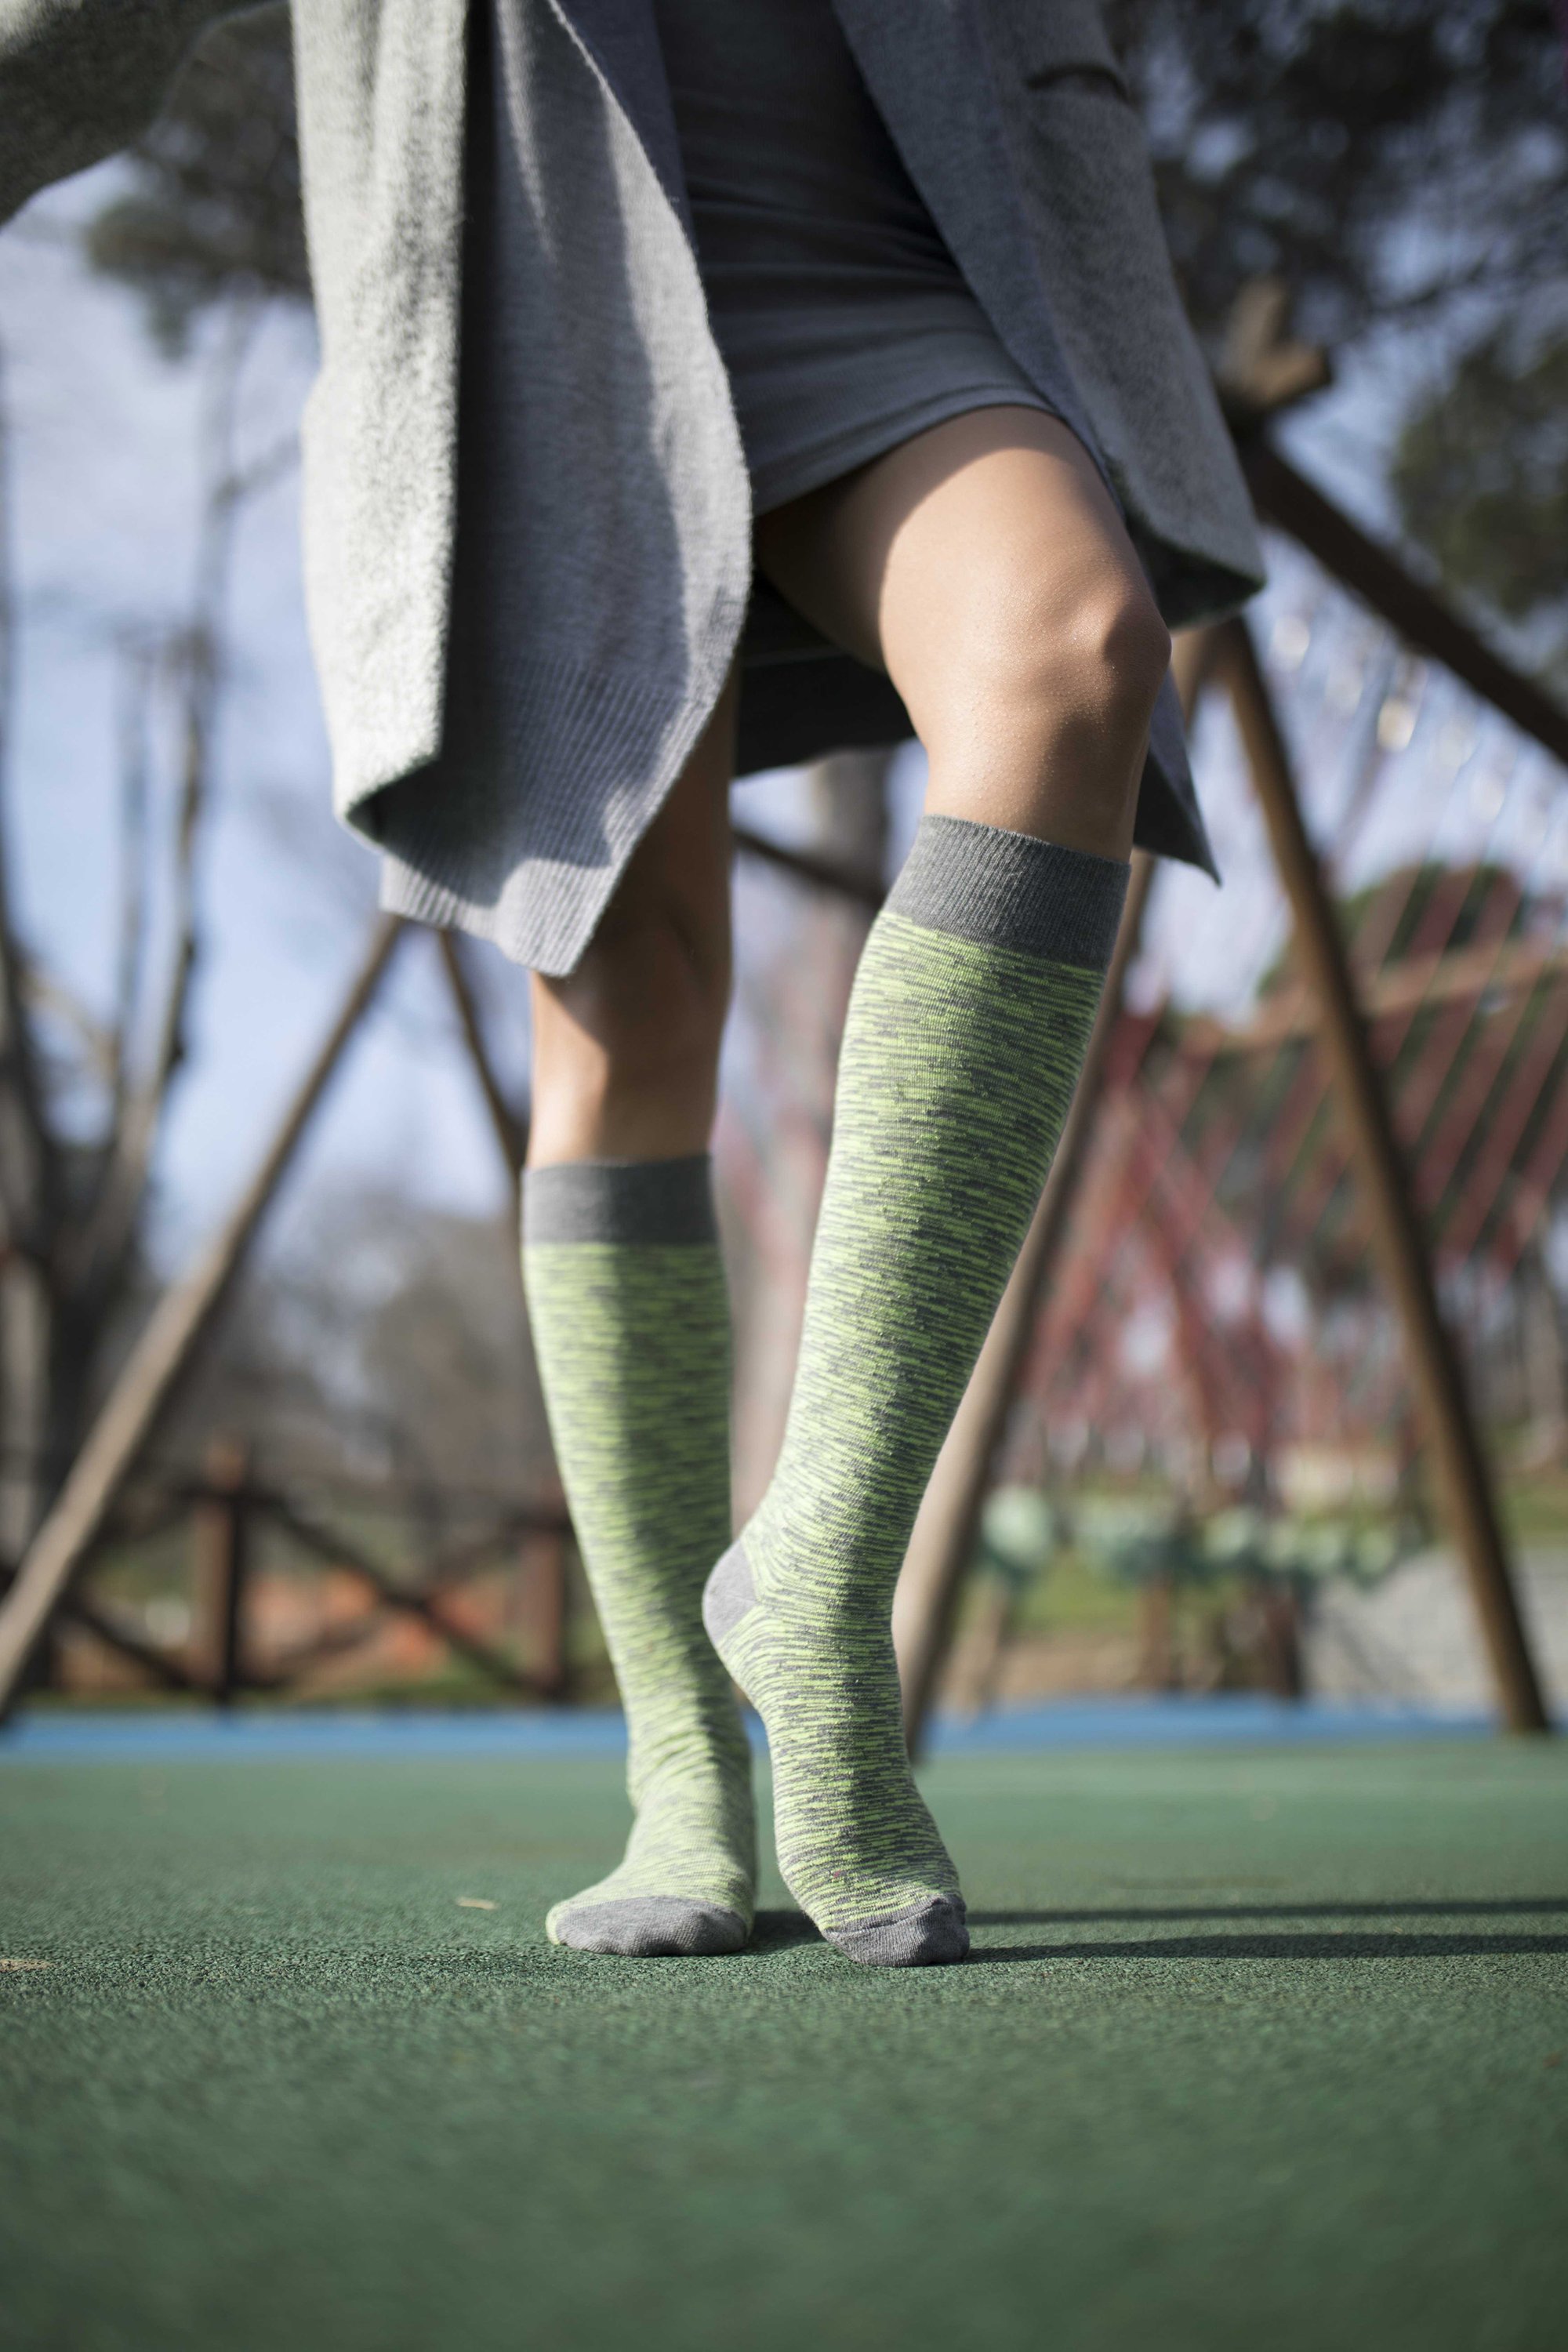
620, 1200
1009, 890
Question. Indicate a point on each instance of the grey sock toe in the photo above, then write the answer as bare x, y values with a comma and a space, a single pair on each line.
927, 1935
651, 1927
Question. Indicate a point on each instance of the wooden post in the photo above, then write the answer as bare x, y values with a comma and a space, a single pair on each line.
510, 1131
167, 1671
925, 1605
996, 1615
1453, 1449
1279, 1620
163, 1354
547, 1566
1289, 500
1157, 1635
219, 1545
865, 890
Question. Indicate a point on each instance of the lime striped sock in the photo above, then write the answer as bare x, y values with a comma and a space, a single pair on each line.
631, 1329
966, 1036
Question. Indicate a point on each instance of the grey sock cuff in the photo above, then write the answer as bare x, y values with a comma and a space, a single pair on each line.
1009, 890
620, 1200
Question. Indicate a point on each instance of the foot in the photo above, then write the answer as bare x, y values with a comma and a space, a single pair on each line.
688, 1884
857, 1845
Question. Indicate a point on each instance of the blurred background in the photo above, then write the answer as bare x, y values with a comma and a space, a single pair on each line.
1208, 1473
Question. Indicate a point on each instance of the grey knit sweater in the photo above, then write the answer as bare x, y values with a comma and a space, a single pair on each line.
1011, 118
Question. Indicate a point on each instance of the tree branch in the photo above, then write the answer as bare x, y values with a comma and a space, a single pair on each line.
136, 683
26, 1148
100, 1254
510, 1127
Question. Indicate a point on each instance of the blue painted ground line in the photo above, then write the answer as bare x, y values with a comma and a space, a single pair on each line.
42, 1735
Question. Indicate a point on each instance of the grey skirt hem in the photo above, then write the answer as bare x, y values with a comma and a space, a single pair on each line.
873, 437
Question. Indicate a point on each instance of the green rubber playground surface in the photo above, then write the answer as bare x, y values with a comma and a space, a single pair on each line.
1261, 2048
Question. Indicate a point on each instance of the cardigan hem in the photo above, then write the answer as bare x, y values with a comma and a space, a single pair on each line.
526, 855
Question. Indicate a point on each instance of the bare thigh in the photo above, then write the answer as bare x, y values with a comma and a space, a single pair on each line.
984, 566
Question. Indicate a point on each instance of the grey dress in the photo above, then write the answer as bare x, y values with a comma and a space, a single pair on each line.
844, 324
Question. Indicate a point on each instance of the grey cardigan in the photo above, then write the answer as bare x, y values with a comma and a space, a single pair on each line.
1013, 121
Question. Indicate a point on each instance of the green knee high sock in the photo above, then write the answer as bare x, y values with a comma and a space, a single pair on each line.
966, 1033
631, 1329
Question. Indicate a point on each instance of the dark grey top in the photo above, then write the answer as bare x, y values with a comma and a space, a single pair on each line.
844, 323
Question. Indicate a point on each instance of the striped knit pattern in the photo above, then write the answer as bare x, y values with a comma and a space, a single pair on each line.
632, 1337
959, 1058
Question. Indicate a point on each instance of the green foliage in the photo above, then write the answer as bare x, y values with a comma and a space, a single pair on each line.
216, 205
1387, 160
1377, 156
1300, 1551
1481, 474
1140, 1543
1137, 1543
1018, 1534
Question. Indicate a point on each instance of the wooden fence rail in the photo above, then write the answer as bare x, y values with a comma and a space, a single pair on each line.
229, 1513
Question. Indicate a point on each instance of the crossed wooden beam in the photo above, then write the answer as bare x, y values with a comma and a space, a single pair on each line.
228, 1509
945, 1534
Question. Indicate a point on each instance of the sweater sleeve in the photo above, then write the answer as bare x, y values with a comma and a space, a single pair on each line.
79, 78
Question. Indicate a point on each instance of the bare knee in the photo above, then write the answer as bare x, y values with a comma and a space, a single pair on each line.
1066, 665
1120, 651
1036, 715
626, 1045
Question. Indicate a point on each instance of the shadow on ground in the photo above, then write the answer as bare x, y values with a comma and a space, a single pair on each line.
1501, 1906
782, 1931
1332, 1944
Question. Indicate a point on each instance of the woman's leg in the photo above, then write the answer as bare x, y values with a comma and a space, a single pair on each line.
630, 1321
985, 565
626, 1047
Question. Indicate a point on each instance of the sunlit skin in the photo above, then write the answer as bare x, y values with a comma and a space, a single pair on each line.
984, 567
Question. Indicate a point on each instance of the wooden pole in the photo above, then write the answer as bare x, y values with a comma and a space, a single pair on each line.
823, 873
925, 1606
163, 1354
510, 1131
164, 1668
1157, 1635
546, 1569
1454, 1448
1289, 500
220, 1547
